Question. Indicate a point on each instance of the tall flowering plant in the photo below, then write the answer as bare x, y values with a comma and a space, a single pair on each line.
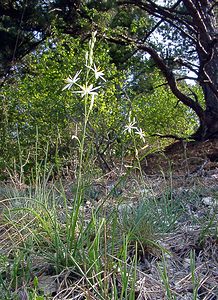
87, 89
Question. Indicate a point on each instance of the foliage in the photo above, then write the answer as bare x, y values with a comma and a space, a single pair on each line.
37, 107
39, 119
169, 34
164, 32
159, 111
25, 25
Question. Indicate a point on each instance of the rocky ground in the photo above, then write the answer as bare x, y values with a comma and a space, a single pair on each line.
190, 172
191, 169
185, 159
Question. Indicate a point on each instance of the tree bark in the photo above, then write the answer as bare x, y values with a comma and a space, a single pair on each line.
207, 49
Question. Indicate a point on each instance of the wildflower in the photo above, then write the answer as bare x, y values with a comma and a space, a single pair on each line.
141, 134
71, 81
92, 102
98, 72
94, 34
91, 47
74, 137
87, 90
130, 127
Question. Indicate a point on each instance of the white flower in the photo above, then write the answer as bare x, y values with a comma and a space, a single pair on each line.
87, 90
94, 34
76, 138
131, 124
141, 134
92, 102
70, 81
130, 127
98, 72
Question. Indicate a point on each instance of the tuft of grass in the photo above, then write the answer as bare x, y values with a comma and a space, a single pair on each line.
135, 222
39, 230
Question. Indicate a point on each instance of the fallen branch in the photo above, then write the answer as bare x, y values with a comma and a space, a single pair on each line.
167, 136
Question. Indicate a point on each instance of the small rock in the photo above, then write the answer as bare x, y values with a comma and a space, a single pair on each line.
208, 201
125, 208
186, 263
47, 284
187, 296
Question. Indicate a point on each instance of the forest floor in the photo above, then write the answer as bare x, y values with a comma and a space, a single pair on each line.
181, 186
186, 173
191, 169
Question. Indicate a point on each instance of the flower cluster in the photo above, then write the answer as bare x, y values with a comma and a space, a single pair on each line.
131, 127
87, 88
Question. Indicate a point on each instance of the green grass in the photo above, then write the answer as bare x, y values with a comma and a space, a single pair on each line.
37, 228
98, 251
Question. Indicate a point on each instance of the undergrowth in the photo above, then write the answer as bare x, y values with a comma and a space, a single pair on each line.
90, 254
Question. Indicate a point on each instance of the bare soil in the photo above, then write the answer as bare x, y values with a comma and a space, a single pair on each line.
184, 158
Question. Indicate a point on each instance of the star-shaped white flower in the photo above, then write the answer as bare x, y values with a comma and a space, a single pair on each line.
98, 73
129, 127
87, 90
71, 81
141, 134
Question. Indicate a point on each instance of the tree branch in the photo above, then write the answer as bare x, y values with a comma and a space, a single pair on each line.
168, 136
166, 71
159, 11
199, 19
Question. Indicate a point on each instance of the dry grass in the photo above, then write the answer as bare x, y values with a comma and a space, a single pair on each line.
192, 238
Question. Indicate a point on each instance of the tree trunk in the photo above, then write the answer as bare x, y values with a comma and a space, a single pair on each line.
209, 122
207, 49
